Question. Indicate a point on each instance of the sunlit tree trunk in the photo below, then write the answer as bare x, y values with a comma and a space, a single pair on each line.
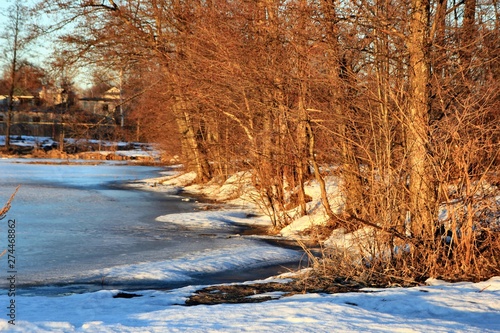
317, 173
271, 168
302, 114
341, 86
421, 186
195, 156
468, 33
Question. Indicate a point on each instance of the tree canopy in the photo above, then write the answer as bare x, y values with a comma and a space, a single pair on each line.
401, 97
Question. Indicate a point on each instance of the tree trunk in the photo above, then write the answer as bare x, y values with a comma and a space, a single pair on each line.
421, 187
13, 72
195, 156
301, 157
351, 175
468, 33
342, 87
317, 174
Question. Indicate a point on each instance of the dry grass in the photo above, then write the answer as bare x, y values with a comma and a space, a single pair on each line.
6, 207
5, 210
385, 262
260, 292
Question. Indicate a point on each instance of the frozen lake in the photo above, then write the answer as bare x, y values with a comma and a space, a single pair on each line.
75, 221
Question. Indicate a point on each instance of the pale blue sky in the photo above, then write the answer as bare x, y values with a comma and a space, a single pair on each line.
39, 52
35, 53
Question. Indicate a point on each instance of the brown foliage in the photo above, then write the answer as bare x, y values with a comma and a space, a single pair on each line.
408, 113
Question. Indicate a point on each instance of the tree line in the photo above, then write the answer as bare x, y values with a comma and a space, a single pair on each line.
397, 98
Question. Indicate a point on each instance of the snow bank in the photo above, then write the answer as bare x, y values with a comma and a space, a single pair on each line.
237, 257
442, 307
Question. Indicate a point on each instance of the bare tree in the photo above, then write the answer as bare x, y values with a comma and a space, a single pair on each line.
380, 92
140, 33
16, 38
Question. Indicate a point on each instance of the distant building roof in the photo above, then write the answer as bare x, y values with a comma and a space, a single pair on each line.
111, 94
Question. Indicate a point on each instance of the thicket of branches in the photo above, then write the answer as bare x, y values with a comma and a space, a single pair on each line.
401, 97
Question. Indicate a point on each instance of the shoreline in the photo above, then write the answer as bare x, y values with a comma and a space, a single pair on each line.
140, 153
75, 160
255, 270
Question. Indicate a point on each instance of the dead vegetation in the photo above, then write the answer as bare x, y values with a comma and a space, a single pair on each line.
261, 292
6, 207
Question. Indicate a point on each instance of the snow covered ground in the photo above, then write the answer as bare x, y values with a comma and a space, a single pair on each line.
440, 307
436, 307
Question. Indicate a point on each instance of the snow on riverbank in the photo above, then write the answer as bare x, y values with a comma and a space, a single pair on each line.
237, 192
442, 307
438, 307
237, 257
88, 148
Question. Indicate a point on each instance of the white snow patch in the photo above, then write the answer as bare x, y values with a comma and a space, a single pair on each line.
464, 307
247, 255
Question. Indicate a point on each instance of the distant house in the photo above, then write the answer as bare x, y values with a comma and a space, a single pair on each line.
105, 105
34, 112
54, 96
113, 94
20, 100
48, 111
